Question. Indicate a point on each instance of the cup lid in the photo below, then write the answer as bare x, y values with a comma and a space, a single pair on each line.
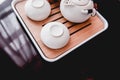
37, 3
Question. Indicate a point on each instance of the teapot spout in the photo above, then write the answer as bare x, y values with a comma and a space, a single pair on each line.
93, 12
89, 11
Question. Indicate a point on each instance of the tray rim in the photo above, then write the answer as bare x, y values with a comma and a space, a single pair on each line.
14, 2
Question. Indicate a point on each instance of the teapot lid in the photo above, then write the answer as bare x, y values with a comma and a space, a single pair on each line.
81, 2
37, 3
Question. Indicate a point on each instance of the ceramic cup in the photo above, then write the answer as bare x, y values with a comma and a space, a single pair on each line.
55, 35
37, 9
77, 11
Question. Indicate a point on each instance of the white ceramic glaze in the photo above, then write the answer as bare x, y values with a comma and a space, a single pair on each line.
77, 11
37, 9
54, 35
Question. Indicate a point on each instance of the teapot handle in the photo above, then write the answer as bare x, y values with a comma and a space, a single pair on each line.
68, 2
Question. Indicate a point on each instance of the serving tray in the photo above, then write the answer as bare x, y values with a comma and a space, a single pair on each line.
79, 33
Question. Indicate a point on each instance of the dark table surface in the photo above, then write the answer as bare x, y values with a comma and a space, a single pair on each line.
94, 60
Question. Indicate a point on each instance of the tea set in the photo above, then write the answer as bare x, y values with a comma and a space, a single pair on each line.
55, 35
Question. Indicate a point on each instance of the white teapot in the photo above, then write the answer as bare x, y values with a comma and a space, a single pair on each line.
37, 9
77, 11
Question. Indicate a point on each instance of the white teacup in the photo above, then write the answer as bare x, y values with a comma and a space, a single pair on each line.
77, 11
55, 35
37, 9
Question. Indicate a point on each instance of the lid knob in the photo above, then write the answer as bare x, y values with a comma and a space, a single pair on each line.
56, 30
80, 2
37, 3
